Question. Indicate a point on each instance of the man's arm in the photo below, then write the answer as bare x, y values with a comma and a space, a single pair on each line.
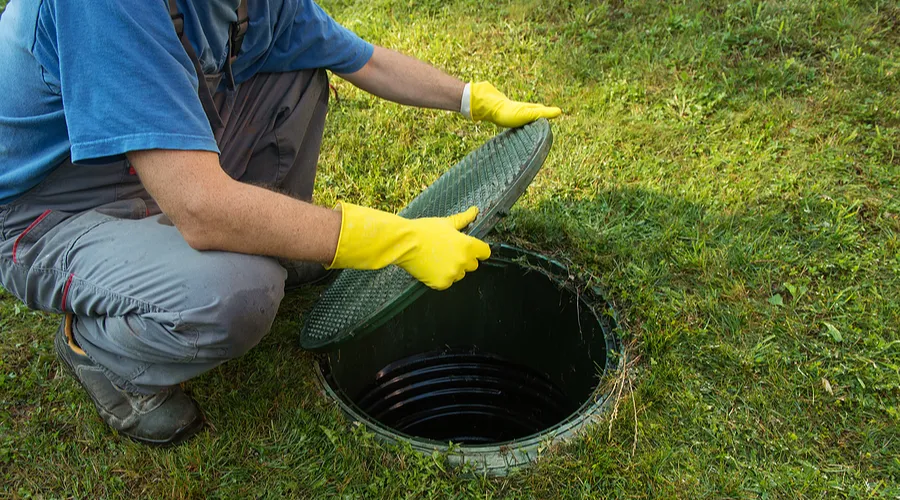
406, 80
214, 212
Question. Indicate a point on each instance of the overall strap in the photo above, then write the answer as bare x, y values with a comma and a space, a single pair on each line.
239, 29
206, 100
236, 33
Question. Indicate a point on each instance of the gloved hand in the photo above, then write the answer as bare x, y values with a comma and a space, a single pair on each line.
433, 250
488, 103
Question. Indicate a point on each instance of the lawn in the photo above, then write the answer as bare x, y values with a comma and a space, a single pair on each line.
727, 171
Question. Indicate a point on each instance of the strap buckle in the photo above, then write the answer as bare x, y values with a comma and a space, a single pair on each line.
177, 18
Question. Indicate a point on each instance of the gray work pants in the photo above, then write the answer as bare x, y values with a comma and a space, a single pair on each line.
149, 309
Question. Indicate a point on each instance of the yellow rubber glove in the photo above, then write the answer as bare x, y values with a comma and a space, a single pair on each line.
488, 103
433, 250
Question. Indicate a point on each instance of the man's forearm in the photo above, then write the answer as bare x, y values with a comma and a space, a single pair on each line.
262, 222
214, 212
407, 80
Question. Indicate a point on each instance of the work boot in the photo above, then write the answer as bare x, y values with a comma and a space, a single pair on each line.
167, 417
306, 274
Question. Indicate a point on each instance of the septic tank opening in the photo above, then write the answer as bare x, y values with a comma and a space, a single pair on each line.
505, 360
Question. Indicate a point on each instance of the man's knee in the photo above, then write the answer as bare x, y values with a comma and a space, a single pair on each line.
246, 317
241, 308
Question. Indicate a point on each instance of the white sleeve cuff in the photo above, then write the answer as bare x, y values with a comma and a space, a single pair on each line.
464, 106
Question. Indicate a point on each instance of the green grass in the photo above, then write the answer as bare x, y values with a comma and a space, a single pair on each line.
728, 171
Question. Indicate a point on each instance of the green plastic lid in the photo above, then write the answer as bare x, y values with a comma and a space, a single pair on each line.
492, 178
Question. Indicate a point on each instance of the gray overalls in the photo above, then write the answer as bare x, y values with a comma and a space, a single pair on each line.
148, 308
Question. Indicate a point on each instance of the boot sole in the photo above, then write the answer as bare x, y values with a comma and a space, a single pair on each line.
180, 435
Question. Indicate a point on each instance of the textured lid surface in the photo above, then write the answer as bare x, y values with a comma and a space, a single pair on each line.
492, 178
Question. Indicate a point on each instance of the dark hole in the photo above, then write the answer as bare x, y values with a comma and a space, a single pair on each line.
509, 352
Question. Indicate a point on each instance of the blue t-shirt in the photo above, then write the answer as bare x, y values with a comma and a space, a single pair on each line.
94, 79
